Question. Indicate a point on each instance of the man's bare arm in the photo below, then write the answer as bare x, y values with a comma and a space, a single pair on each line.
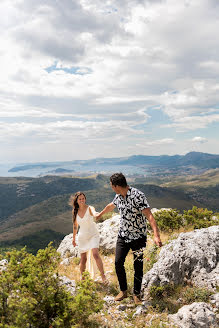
109, 208
153, 224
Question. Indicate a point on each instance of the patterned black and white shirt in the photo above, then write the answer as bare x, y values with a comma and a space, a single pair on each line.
132, 222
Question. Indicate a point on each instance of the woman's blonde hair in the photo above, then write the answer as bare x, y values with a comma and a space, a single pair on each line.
73, 202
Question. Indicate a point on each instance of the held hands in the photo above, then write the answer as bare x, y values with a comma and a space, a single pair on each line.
97, 215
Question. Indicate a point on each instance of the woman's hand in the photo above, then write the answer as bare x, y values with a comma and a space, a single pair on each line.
74, 243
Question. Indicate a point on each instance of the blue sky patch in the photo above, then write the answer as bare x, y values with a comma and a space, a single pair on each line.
75, 70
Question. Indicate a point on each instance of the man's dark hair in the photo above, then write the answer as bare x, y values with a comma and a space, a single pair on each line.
118, 179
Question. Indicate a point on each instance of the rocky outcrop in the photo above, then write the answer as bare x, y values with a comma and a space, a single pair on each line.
195, 315
66, 249
192, 256
108, 231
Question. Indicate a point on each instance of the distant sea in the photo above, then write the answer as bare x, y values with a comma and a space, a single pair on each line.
76, 170
4, 170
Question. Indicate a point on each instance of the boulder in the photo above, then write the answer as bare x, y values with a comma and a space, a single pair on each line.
66, 249
192, 256
195, 315
108, 231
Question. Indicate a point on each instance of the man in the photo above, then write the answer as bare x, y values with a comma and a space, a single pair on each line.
133, 207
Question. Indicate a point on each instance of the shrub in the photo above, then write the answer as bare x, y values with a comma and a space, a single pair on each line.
161, 298
150, 257
196, 294
86, 301
168, 220
199, 217
31, 294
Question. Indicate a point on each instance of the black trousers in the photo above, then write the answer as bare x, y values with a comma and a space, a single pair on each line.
122, 249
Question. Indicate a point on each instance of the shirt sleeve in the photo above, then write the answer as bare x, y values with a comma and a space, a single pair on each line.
141, 201
115, 200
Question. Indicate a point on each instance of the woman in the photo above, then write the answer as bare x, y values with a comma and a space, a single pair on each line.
88, 236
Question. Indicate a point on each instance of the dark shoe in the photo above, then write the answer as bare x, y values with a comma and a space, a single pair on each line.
137, 299
121, 296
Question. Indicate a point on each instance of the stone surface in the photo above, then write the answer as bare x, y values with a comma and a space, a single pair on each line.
108, 231
192, 256
69, 284
66, 249
141, 309
121, 307
195, 315
109, 299
214, 300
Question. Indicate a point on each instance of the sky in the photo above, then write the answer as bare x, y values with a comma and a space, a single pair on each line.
82, 79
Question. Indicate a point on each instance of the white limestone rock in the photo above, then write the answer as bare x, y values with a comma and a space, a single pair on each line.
69, 284
192, 256
66, 249
195, 315
214, 300
108, 231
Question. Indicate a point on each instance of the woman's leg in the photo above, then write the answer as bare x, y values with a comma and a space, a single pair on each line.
83, 262
99, 262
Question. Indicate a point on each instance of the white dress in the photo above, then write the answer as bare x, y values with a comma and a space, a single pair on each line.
88, 238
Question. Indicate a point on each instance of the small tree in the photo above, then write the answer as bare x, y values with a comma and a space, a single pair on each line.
199, 217
31, 294
168, 220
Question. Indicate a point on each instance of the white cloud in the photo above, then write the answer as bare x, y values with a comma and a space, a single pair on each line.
194, 122
139, 55
199, 139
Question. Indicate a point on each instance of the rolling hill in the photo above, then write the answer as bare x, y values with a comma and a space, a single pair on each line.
35, 211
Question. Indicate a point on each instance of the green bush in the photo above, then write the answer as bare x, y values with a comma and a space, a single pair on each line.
161, 298
196, 294
199, 218
86, 301
168, 220
150, 257
31, 294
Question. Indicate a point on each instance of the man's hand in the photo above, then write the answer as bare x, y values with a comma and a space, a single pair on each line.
110, 207
151, 219
74, 243
158, 241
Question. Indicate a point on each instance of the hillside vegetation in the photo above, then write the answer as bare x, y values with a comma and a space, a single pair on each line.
37, 208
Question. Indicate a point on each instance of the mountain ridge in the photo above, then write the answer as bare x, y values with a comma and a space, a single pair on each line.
198, 159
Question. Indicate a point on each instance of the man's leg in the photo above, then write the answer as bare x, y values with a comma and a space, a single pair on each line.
122, 249
137, 247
